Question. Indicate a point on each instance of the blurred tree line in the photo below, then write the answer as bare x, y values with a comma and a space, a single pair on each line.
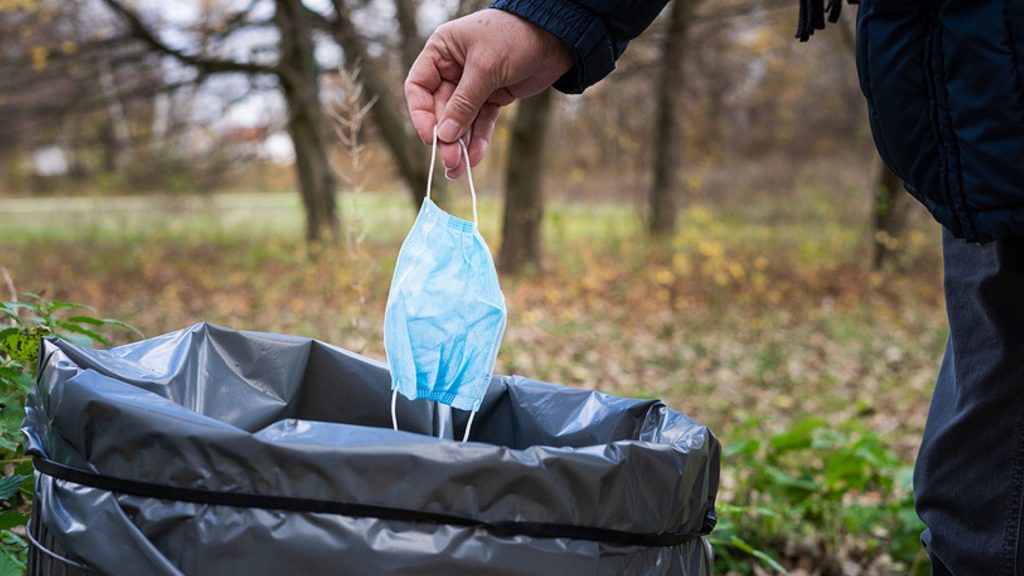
138, 91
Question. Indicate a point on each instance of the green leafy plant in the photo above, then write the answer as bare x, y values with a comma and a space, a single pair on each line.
731, 550
27, 322
820, 491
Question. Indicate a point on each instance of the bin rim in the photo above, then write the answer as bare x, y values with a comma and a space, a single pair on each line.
688, 515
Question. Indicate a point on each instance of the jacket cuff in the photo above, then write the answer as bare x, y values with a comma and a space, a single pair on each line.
582, 31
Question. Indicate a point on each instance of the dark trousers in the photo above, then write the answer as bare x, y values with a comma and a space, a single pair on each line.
969, 479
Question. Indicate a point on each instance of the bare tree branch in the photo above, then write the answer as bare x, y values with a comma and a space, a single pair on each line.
205, 64
238, 19
92, 102
388, 113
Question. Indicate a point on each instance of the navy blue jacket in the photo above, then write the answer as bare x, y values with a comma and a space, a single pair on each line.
596, 31
944, 82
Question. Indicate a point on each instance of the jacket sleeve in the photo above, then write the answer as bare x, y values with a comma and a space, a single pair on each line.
596, 31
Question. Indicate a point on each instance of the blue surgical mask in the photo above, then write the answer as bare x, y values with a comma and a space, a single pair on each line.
445, 315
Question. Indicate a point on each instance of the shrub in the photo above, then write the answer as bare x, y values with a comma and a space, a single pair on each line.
818, 495
28, 322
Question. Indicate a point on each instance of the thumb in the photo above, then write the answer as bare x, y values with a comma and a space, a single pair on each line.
462, 108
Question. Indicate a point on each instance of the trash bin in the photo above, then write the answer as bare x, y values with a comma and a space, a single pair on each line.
214, 451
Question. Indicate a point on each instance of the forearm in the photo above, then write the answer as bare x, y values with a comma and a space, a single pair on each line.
595, 31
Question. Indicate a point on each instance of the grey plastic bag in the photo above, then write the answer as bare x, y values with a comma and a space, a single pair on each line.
214, 451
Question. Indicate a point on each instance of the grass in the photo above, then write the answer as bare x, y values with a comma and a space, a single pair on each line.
749, 320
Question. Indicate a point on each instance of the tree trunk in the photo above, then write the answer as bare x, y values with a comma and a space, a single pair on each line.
388, 113
161, 120
412, 42
300, 83
520, 245
888, 203
77, 168
668, 138
108, 147
120, 131
888, 217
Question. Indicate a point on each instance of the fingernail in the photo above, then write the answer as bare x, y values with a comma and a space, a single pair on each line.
448, 174
449, 130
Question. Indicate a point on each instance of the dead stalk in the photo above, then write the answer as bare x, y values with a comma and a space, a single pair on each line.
348, 112
9, 282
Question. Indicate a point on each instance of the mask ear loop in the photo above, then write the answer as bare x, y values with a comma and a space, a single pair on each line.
433, 158
469, 426
394, 413
469, 178
469, 173
476, 221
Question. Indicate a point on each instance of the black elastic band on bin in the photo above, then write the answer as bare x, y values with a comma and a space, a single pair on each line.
355, 510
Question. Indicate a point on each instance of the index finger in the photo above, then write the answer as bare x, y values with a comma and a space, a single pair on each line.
423, 81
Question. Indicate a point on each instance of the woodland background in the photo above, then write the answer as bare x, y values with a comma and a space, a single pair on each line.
709, 225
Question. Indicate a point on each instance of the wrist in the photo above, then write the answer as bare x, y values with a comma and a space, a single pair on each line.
579, 31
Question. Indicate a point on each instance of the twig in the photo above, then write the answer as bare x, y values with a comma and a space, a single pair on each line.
10, 288
205, 63
9, 282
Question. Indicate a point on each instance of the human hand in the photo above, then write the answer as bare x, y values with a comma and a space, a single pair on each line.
469, 69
